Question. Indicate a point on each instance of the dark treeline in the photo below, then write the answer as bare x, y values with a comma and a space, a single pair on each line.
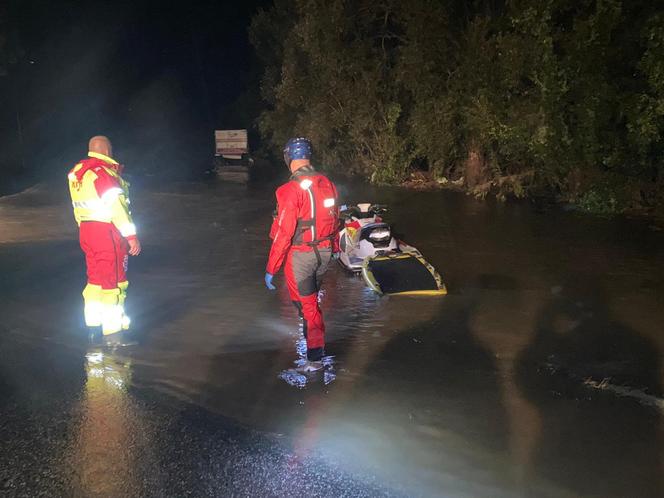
524, 97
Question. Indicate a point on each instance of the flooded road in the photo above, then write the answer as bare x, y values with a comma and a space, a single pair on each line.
539, 375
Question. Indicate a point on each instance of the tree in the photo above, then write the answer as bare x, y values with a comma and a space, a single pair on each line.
560, 95
330, 79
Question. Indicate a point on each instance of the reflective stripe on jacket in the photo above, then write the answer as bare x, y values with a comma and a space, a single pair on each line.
98, 193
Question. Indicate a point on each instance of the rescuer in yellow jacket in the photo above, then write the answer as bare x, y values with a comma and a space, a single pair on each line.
100, 198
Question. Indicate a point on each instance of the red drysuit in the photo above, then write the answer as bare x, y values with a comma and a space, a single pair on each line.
304, 235
100, 199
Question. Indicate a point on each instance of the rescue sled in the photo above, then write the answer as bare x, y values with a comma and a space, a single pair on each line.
405, 273
388, 265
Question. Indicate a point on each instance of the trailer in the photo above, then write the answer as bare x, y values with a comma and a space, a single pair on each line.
232, 162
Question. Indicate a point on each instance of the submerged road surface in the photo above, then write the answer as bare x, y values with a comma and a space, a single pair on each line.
539, 375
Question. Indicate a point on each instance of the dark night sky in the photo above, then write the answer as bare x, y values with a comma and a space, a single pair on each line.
156, 76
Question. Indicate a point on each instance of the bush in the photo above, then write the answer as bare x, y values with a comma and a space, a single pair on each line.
511, 97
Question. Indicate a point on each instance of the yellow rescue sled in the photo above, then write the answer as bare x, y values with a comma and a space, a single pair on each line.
402, 273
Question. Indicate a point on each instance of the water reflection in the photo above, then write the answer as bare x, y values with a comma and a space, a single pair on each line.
478, 394
436, 389
592, 442
459, 409
107, 435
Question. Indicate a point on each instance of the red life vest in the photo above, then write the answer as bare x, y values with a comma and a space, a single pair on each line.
318, 218
307, 216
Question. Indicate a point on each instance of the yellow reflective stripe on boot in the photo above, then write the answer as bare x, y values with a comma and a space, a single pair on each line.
123, 291
93, 307
112, 311
126, 321
112, 319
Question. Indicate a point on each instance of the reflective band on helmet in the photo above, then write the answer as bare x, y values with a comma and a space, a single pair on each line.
127, 229
305, 184
328, 203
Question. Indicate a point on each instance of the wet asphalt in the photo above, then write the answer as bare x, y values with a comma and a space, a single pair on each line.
540, 374
124, 443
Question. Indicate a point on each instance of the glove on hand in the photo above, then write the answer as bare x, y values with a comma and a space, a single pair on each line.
268, 281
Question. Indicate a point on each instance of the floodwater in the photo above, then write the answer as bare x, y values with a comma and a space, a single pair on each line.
539, 375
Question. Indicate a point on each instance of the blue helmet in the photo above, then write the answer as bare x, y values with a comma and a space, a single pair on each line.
297, 148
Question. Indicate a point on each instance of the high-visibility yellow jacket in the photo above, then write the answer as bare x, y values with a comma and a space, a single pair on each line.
98, 193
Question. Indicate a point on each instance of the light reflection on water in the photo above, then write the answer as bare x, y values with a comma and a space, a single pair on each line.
296, 378
106, 428
434, 379
433, 393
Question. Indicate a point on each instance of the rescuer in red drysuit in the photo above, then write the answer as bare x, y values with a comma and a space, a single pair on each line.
304, 237
100, 198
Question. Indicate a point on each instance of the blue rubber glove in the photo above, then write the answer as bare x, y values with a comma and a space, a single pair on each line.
268, 281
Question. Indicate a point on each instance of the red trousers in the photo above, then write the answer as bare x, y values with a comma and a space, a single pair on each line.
304, 272
106, 254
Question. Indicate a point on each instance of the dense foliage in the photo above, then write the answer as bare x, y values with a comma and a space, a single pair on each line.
518, 97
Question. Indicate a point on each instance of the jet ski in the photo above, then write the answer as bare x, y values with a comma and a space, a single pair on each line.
364, 234
388, 265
